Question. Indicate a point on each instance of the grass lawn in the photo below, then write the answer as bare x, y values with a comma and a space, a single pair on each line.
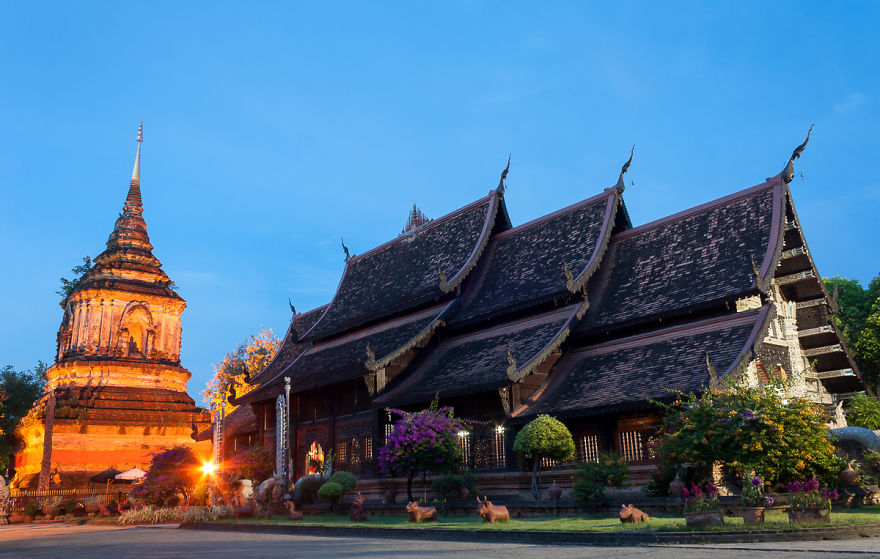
593, 523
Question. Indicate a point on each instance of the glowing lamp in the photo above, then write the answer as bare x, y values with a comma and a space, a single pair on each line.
209, 468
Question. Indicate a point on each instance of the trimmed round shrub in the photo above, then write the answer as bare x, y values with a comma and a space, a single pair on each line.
306, 490
347, 480
330, 491
545, 437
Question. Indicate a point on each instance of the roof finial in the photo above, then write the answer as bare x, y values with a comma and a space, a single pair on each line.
511, 361
371, 357
569, 277
501, 186
136, 172
620, 186
788, 172
345, 248
713, 374
292, 308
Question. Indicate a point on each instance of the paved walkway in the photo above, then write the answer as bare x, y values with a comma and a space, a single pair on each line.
35, 541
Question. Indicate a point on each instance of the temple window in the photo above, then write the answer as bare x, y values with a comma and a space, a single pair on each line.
588, 448
498, 448
340, 452
630, 445
464, 440
355, 452
368, 448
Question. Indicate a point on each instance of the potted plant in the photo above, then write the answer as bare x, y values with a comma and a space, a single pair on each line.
808, 504
754, 501
700, 507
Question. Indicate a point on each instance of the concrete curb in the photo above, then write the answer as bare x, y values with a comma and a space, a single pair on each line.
553, 538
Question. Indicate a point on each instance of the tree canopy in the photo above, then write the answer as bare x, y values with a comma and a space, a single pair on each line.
858, 318
544, 437
423, 442
68, 286
18, 392
749, 429
176, 470
246, 360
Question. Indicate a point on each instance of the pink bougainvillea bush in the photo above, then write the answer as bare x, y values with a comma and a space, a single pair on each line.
422, 442
172, 472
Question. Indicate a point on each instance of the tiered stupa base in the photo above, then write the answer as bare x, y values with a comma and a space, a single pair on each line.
96, 428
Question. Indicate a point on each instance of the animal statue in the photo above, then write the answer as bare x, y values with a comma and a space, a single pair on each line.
490, 512
102, 509
358, 513
269, 495
417, 513
242, 493
290, 507
631, 515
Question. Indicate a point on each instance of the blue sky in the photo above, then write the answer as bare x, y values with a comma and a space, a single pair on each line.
273, 129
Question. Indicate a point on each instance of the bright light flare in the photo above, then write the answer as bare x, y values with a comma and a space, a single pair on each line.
209, 468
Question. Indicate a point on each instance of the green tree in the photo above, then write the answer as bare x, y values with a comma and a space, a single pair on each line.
858, 318
18, 392
423, 442
863, 411
245, 361
544, 437
749, 428
866, 348
68, 286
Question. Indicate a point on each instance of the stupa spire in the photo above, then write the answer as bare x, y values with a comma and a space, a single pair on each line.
133, 201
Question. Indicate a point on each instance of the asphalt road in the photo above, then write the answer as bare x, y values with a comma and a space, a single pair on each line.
110, 542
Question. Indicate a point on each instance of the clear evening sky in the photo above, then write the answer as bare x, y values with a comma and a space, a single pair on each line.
273, 129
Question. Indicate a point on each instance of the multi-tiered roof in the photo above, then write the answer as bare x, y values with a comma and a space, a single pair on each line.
574, 313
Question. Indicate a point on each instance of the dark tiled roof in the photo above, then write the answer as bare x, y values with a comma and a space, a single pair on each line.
403, 273
527, 264
686, 260
291, 345
345, 358
624, 373
478, 362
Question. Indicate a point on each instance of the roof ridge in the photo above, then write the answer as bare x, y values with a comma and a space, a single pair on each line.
540, 219
766, 185
418, 231
546, 316
644, 338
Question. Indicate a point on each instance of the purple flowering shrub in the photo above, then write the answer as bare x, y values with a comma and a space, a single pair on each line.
806, 494
424, 442
172, 472
256, 463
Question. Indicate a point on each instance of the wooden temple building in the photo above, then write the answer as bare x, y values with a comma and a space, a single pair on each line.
577, 314
117, 392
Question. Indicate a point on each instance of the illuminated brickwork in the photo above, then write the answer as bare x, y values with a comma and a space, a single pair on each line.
117, 392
